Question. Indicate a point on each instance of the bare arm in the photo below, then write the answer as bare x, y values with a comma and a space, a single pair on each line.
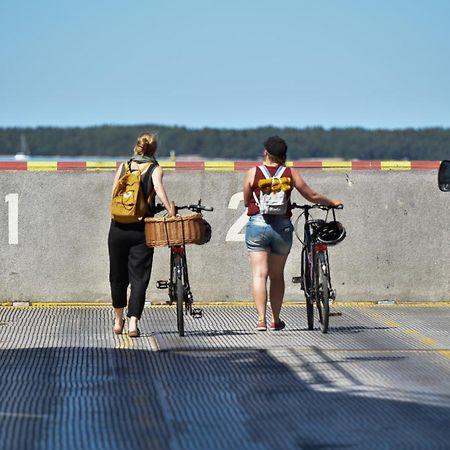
116, 179
157, 178
310, 194
248, 181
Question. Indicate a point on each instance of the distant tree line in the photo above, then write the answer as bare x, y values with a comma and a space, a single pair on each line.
208, 143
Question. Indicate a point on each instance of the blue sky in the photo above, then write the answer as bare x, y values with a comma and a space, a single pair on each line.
225, 64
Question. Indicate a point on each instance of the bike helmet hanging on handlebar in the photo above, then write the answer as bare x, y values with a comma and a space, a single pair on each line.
330, 233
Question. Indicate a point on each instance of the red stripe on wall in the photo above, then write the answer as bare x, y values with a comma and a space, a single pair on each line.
307, 165
245, 165
71, 165
425, 165
13, 165
366, 165
189, 165
238, 165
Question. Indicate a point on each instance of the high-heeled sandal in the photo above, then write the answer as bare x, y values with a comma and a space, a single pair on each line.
119, 329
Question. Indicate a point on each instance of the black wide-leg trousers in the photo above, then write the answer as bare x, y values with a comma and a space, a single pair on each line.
130, 264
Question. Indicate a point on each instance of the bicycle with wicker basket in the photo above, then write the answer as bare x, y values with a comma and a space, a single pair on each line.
176, 232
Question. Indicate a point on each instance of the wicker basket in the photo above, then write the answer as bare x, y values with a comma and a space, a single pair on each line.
177, 230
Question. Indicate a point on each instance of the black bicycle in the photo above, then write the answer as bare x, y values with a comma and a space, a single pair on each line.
315, 277
178, 285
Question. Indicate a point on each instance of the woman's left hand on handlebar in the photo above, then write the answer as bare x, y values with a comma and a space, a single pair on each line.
336, 202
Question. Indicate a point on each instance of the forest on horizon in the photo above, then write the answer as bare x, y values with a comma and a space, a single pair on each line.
351, 143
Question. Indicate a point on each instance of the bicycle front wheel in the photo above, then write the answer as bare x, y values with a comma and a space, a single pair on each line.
323, 291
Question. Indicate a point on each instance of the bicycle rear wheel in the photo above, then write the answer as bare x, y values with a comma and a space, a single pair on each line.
323, 291
306, 283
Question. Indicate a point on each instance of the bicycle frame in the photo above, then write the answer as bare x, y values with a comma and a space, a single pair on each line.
179, 269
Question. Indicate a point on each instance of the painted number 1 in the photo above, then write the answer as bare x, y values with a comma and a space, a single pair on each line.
13, 218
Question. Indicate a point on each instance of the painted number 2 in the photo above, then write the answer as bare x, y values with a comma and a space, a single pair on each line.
234, 233
13, 218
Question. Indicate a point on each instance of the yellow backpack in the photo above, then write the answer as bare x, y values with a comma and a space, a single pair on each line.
129, 204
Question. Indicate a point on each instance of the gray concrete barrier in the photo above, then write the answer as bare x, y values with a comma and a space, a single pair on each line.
54, 227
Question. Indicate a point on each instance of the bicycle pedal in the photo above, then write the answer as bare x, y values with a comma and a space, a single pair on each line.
297, 280
197, 313
162, 284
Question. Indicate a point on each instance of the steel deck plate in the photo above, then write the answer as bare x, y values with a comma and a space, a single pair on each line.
378, 379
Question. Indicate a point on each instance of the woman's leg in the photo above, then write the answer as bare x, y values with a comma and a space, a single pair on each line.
118, 274
276, 276
259, 262
118, 320
139, 270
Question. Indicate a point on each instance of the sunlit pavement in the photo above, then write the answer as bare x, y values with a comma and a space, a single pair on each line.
378, 379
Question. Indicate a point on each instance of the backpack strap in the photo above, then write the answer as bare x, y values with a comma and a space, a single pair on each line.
266, 174
256, 199
279, 172
265, 171
151, 197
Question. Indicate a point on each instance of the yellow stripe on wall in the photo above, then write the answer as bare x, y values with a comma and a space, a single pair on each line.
168, 165
336, 165
101, 165
42, 165
395, 165
219, 165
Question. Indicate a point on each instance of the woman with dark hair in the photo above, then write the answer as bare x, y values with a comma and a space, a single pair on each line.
130, 258
268, 236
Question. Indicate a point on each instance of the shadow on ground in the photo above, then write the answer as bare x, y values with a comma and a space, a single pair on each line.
103, 398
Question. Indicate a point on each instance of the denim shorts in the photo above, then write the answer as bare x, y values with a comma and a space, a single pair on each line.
270, 234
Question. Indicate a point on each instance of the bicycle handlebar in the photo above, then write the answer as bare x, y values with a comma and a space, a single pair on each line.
323, 207
195, 208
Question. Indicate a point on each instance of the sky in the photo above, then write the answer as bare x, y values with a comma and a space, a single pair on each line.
225, 64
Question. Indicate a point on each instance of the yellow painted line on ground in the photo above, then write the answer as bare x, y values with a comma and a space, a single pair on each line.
410, 331
70, 305
376, 315
42, 165
444, 353
395, 165
153, 343
100, 165
336, 165
428, 341
352, 304
219, 165
125, 342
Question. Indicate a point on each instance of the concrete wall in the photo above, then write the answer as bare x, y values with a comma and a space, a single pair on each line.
54, 227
